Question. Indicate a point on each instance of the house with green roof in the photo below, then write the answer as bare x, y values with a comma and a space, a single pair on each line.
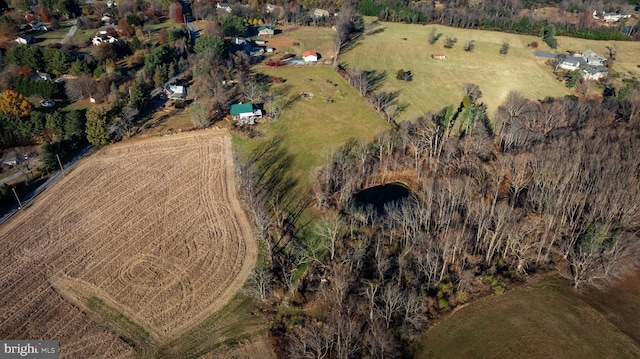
266, 30
245, 113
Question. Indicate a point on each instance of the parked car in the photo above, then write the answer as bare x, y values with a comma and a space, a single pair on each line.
47, 103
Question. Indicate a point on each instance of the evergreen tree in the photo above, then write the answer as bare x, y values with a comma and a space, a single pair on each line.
97, 126
55, 124
572, 78
549, 36
137, 94
48, 155
78, 68
73, 125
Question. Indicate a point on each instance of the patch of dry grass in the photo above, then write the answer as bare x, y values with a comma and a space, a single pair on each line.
437, 83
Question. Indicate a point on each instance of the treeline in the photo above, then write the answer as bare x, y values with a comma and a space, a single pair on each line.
45, 88
40, 126
548, 185
503, 15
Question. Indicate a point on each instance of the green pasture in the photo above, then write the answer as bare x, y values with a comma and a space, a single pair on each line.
319, 39
313, 127
544, 320
437, 83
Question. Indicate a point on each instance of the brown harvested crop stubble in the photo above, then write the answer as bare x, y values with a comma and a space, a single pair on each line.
149, 232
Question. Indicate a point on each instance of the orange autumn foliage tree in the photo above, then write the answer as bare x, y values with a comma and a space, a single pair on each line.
13, 103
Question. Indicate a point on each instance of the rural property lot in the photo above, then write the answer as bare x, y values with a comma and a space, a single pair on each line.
139, 244
438, 83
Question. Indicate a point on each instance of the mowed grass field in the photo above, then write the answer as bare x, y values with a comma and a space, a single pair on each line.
312, 127
437, 83
544, 320
298, 39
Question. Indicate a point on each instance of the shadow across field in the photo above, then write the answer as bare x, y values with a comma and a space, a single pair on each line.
543, 320
271, 171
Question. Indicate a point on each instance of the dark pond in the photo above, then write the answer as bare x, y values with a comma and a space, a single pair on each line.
378, 196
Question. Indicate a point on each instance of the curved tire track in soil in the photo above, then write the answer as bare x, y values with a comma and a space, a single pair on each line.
156, 229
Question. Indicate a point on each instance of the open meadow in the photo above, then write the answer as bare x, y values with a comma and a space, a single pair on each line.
437, 83
542, 320
313, 126
132, 252
298, 39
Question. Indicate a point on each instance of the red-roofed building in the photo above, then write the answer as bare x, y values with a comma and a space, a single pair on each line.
310, 56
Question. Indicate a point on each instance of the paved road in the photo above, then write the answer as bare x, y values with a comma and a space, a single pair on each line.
10, 178
26, 200
71, 32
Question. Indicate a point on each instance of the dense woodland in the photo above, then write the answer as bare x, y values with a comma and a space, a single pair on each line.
547, 185
544, 186
575, 17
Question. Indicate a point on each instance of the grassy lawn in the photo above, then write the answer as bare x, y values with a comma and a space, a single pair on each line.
437, 83
312, 127
297, 40
52, 37
85, 35
544, 320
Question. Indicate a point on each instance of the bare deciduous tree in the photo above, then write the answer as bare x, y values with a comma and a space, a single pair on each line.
392, 300
253, 91
260, 281
472, 91
330, 229
599, 256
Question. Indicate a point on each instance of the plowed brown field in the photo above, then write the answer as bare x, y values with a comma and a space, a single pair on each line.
141, 242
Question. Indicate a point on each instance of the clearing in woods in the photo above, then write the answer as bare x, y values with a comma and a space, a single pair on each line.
137, 246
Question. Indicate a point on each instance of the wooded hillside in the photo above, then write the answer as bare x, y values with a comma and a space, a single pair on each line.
553, 185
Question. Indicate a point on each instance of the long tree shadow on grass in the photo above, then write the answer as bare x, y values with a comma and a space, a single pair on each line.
272, 166
375, 79
351, 42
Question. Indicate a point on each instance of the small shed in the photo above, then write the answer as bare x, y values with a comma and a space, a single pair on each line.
310, 56
245, 113
266, 30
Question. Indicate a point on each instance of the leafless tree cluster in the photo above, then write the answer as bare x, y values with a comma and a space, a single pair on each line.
555, 186
348, 27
